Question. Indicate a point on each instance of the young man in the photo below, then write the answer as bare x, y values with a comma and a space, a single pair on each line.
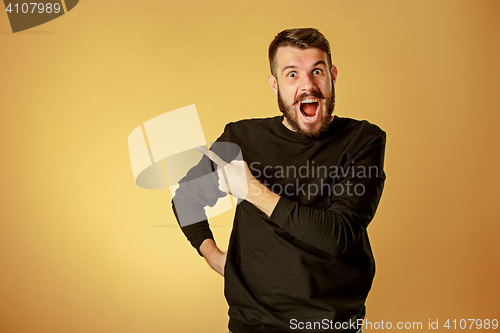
309, 184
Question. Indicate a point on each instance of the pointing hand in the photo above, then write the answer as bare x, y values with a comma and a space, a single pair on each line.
234, 178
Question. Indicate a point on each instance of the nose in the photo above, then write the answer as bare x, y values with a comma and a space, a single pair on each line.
307, 83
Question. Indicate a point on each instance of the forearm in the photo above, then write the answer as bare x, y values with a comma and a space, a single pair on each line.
261, 197
215, 258
334, 229
207, 247
331, 231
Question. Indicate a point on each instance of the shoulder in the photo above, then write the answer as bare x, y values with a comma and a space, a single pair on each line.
249, 128
241, 135
354, 127
252, 123
358, 125
356, 135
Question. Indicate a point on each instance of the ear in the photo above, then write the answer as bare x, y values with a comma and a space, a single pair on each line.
273, 83
334, 74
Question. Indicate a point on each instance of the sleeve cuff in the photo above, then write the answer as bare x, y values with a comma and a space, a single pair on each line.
281, 211
199, 237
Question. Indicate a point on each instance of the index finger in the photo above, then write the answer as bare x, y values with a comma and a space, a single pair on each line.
213, 156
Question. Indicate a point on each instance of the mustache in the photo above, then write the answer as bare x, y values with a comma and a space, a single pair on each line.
314, 93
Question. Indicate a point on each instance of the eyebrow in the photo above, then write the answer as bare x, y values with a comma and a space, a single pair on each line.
287, 67
319, 63
293, 67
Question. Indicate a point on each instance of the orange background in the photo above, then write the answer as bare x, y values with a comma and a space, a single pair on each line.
84, 249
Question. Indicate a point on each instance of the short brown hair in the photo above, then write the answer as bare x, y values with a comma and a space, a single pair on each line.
300, 38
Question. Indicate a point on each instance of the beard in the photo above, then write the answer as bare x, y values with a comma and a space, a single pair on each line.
290, 115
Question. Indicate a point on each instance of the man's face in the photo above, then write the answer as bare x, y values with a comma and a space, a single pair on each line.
304, 84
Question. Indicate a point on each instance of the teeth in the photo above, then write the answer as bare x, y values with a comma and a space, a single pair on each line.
310, 100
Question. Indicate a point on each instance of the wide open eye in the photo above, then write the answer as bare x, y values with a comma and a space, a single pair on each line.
317, 71
292, 74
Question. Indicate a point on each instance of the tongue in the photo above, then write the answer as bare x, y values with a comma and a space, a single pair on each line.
309, 109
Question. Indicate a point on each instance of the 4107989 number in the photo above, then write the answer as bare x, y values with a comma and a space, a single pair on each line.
471, 324
33, 8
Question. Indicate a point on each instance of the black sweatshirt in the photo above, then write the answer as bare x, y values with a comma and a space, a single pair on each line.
310, 264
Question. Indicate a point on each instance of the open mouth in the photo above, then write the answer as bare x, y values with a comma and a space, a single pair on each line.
309, 108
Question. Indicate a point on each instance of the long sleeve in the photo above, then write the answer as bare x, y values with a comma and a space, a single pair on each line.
198, 189
355, 194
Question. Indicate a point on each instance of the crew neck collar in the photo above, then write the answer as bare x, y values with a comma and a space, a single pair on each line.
292, 135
